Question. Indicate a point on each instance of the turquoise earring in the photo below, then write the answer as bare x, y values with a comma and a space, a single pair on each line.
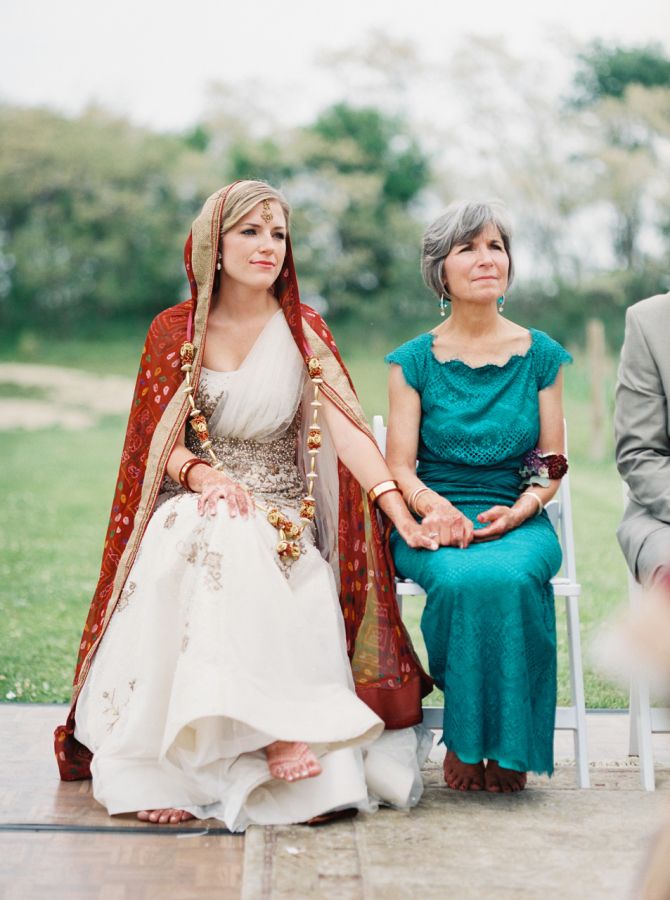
501, 303
443, 305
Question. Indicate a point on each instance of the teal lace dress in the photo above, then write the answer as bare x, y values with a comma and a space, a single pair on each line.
489, 619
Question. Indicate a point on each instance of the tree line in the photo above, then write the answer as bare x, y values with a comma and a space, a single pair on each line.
94, 211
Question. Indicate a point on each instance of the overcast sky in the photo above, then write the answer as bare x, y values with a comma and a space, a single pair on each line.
153, 61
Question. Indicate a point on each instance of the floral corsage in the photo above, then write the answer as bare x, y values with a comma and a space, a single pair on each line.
541, 468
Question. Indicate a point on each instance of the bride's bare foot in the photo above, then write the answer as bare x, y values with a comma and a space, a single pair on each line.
169, 816
291, 761
463, 776
506, 781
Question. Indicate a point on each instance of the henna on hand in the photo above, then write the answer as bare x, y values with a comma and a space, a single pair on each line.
215, 487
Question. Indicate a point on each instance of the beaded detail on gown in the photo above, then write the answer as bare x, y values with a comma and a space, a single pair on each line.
267, 468
489, 619
213, 652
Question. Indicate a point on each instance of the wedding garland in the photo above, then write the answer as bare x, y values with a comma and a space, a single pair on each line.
288, 548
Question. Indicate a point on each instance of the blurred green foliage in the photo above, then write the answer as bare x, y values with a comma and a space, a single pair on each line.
562, 307
92, 215
94, 211
351, 176
606, 71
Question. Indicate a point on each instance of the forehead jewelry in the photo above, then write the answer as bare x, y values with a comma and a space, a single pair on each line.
266, 214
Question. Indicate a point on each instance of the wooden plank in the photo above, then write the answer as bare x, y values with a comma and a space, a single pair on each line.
107, 866
113, 867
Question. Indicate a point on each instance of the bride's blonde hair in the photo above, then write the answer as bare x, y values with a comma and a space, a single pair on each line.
244, 195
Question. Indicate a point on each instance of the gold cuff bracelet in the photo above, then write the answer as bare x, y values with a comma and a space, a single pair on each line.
384, 487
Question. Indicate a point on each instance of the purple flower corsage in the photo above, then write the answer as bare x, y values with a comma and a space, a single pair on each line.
541, 468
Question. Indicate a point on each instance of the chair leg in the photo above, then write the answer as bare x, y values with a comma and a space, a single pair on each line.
577, 691
642, 724
633, 724
640, 711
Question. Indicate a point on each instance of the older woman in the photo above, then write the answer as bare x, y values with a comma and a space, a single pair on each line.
476, 402
215, 670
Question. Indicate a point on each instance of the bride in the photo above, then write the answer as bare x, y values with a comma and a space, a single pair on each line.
243, 652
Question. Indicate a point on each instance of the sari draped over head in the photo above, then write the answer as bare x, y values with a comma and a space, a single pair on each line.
387, 674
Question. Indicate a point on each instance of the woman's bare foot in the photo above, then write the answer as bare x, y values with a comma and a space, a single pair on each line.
291, 761
503, 781
168, 816
463, 776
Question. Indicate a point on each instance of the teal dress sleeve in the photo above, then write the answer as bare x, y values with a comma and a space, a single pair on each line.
412, 358
548, 357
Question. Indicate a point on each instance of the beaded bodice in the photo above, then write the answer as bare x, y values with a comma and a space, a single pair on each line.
268, 469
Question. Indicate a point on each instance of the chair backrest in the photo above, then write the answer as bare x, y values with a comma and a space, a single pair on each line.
379, 431
559, 509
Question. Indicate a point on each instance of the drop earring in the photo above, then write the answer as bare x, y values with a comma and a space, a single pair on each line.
219, 262
443, 305
501, 304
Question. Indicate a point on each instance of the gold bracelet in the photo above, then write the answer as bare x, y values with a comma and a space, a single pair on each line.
413, 497
384, 487
540, 504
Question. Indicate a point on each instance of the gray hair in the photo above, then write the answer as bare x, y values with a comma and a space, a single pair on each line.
462, 221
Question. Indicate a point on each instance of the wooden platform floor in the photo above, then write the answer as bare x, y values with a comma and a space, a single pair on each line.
57, 842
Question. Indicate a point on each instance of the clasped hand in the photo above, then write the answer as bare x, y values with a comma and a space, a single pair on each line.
448, 526
217, 486
501, 519
453, 529
416, 535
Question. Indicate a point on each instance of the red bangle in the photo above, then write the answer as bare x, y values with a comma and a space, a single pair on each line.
186, 468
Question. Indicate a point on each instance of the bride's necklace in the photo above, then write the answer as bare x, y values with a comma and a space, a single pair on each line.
288, 548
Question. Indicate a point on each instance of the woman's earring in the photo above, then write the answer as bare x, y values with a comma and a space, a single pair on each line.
443, 305
219, 261
501, 303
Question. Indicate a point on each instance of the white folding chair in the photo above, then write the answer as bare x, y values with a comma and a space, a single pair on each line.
565, 584
645, 720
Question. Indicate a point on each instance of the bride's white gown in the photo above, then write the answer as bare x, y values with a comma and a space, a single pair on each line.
215, 649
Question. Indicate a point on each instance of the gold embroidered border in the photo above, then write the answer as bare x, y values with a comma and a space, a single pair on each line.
206, 229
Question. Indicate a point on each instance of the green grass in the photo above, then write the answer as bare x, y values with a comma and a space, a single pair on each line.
57, 487
21, 392
115, 354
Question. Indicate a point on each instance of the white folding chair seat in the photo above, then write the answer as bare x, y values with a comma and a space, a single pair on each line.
568, 718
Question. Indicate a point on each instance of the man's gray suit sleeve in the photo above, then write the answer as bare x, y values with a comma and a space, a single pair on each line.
641, 424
